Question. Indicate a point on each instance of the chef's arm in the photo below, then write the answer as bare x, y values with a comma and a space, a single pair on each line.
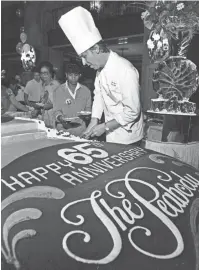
112, 125
130, 106
97, 108
94, 121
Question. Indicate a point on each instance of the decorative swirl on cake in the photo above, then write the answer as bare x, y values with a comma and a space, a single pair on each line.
158, 158
169, 178
21, 215
43, 192
15, 218
168, 223
79, 217
19, 236
119, 193
117, 241
194, 215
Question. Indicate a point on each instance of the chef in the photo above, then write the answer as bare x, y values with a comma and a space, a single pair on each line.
116, 84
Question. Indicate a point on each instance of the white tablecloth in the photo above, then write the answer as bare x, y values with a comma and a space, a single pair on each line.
188, 153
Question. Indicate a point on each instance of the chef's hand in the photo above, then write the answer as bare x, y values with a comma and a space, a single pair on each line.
92, 124
98, 130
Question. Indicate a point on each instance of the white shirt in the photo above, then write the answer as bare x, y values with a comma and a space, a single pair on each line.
20, 94
117, 94
34, 90
73, 95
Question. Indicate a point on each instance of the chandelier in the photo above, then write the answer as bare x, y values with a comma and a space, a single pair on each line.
96, 5
27, 52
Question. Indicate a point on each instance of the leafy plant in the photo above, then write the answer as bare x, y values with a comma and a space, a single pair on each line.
172, 16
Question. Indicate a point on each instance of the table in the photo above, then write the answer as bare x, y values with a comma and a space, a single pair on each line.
188, 153
95, 205
172, 139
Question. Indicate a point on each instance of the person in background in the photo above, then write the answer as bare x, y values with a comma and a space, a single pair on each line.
18, 89
116, 85
48, 87
69, 99
33, 90
8, 99
88, 82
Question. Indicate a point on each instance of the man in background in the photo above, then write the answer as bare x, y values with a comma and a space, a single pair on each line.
18, 89
69, 100
33, 90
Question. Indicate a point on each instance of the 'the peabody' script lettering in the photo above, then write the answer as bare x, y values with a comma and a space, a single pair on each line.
169, 202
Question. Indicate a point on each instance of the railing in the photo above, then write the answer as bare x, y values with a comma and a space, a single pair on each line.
116, 8
107, 9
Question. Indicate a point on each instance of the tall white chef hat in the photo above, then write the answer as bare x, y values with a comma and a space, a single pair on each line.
79, 27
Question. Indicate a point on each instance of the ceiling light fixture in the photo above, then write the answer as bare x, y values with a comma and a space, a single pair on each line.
96, 5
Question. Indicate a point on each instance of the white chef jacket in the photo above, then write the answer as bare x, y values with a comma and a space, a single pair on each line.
117, 94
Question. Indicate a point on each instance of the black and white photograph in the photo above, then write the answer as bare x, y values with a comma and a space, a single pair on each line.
100, 135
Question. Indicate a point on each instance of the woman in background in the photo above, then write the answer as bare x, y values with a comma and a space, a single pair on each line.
49, 85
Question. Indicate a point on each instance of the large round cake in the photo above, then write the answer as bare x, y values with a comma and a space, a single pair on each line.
91, 205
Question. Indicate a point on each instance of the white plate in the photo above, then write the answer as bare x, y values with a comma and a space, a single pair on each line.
70, 119
84, 113
40, 104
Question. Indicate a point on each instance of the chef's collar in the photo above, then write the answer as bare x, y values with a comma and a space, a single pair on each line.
109, 64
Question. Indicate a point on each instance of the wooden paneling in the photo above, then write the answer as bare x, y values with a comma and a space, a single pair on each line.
109, 28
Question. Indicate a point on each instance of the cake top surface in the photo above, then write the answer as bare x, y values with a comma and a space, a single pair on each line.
112, 206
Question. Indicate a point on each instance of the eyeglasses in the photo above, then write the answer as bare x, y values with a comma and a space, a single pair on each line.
44, 73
